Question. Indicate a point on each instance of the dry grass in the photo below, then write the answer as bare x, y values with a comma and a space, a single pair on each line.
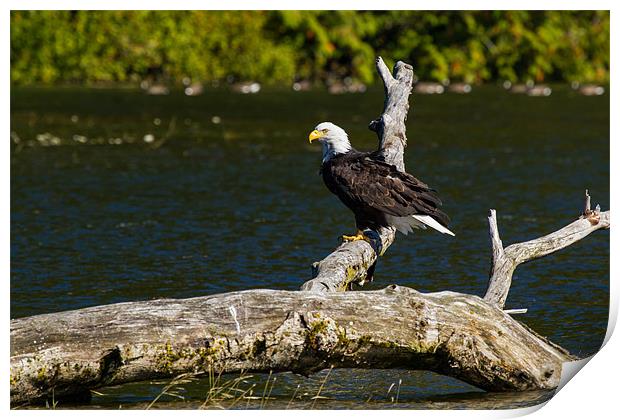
228, 394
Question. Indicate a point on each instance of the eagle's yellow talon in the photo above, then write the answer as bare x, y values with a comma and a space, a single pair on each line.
359, 236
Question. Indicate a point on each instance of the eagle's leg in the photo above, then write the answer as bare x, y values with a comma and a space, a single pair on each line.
359, 236
370, 274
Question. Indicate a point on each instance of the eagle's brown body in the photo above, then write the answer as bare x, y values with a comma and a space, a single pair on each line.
378, 193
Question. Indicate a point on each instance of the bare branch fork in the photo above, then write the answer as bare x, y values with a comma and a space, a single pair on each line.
506, 260
71, 353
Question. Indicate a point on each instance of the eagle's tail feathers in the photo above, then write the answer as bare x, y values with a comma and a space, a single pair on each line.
429, 221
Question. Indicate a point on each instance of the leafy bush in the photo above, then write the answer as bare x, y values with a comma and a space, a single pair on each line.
280, 46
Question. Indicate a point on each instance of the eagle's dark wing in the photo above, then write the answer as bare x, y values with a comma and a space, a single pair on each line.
365, 181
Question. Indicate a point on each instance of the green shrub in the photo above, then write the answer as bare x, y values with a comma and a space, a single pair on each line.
279, 46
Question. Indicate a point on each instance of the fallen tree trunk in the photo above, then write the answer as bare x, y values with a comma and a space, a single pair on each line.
69, 353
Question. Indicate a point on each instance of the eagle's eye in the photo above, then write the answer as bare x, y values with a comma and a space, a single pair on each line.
324, 131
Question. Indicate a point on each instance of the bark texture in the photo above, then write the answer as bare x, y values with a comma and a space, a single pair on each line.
354, 262
70, 353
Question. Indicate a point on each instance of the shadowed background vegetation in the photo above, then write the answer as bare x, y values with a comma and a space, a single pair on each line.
277, 47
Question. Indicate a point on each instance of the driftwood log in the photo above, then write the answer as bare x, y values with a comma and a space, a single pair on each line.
268, 330
68, 354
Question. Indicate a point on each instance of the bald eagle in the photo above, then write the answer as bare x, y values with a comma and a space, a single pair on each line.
378, 193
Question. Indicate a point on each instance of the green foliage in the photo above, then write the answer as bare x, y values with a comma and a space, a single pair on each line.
279, 46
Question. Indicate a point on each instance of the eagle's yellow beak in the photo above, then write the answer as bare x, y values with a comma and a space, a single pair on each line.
316, 134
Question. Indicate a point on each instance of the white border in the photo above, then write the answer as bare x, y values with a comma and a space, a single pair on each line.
591, 394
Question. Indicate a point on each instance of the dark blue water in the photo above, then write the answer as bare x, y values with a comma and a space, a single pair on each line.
118, 196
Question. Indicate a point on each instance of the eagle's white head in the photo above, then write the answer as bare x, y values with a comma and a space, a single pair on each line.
333, 139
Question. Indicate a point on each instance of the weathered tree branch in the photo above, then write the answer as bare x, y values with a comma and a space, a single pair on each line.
70, 353
353, 262
506, 260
